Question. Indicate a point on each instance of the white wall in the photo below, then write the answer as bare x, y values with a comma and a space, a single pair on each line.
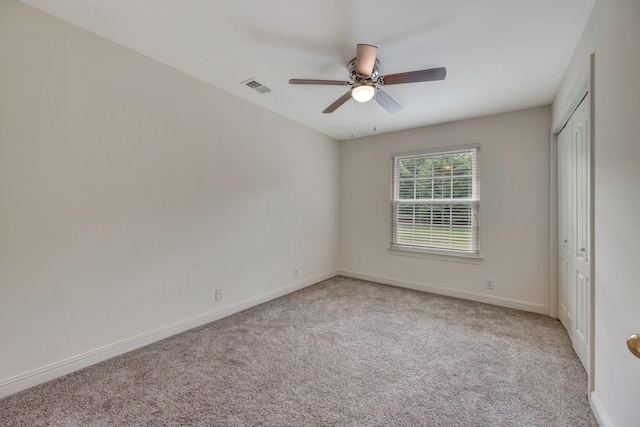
514, 224
613, 33
129, 191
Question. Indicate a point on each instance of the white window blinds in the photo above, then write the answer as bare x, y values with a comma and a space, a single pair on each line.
435, 201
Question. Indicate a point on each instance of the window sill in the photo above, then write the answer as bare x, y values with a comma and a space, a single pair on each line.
437, 255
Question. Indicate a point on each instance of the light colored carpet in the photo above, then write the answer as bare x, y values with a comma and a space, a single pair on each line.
343, 352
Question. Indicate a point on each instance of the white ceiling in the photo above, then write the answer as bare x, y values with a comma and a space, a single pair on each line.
500, 55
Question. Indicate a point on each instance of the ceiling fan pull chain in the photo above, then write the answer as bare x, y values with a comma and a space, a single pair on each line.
352, 118
375, 104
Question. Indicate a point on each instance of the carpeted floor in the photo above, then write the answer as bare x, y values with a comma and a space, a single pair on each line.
343, 352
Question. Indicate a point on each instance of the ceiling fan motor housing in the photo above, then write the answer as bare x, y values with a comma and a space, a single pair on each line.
357, 77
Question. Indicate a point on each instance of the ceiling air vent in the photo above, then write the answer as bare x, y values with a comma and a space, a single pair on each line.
257, 86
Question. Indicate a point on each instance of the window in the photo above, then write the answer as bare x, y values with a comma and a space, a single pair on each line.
435, 201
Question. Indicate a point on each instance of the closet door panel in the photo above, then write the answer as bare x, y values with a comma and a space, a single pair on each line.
565, 228
581, 230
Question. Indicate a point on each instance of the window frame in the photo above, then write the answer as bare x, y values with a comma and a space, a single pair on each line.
441, 253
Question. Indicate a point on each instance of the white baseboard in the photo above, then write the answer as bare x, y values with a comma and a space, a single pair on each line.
503, 302
598, 411
58, 369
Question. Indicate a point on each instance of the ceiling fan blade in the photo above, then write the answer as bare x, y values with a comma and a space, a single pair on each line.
365, 59
414, 76
318, 82
333, 107
387, 102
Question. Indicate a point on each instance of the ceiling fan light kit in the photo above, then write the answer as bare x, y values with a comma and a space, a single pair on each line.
364, 80
363, 92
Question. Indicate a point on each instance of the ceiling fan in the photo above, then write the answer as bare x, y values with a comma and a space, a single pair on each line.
364, 80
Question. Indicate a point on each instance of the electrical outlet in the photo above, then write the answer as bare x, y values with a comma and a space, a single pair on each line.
218, 294
295, 272
489, 282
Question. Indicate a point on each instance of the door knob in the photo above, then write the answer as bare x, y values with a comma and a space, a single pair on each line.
582, 250
634, 345
564, 241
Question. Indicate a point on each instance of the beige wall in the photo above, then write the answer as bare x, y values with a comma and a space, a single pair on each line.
514, 209
130, 191
613, 34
